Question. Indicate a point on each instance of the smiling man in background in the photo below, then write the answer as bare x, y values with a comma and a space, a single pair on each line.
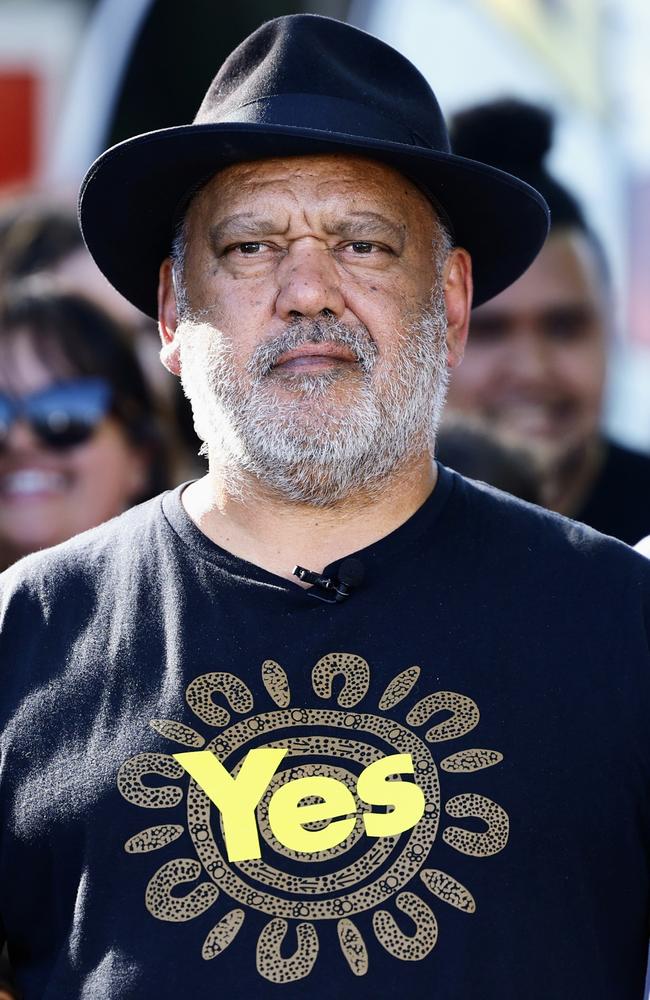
418, 773
536, 361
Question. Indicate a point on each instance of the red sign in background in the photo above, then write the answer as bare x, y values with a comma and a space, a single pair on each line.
17, 126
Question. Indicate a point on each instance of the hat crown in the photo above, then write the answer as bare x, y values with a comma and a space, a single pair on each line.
308, 71
304, 85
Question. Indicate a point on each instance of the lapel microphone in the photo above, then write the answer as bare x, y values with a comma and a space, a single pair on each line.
333, 589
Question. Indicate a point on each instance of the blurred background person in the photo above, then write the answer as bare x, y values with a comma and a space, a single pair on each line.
79, 436
41, 236
535, 365
466, 445
36, 234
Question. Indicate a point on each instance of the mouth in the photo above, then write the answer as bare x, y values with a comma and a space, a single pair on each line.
535, 419
32, 484
313, 357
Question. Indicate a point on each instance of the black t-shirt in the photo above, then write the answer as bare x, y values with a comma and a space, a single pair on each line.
497, 651
619, 501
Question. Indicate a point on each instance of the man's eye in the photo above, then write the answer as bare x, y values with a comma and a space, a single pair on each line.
249, 248
360, 246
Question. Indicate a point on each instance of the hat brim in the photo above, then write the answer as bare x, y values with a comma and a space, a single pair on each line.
130, 198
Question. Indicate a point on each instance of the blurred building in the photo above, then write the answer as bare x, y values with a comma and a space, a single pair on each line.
39, 42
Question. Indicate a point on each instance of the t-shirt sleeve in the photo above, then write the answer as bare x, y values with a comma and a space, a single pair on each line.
24, 602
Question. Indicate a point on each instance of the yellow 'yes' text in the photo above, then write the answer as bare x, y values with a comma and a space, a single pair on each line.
237, 798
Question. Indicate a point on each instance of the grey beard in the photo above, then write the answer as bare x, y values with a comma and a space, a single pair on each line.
313, 447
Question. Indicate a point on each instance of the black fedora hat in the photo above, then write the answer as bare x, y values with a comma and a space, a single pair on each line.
304, 84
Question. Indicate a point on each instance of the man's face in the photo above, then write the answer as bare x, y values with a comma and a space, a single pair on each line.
534, 366
313, 345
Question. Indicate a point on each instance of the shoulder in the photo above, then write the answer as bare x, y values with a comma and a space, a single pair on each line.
70, 608
546, 541
73, 568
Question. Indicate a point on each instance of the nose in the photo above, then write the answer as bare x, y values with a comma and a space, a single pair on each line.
19, 438
529, 360
309, 283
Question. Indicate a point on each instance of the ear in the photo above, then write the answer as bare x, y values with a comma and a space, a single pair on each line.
168, 319
458, 297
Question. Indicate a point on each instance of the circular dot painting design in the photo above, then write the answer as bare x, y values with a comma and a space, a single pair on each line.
380, 880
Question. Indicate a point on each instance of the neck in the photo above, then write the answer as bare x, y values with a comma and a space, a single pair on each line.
276, 534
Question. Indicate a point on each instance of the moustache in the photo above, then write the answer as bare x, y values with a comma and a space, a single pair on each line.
356, 338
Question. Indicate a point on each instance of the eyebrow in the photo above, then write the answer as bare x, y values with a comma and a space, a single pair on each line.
372, 223
246, 224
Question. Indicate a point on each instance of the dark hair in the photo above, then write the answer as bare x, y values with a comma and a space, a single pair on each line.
73, 336
35, 236
516, 136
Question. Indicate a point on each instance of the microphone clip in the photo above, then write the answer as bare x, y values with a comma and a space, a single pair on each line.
332, 590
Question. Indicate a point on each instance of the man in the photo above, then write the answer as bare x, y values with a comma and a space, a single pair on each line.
534, 371
426, 772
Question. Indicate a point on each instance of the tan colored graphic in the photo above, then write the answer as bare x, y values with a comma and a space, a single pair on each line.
199, 697
177, 732
471, 760
270, 963
376, 880
129, 781
410, 948
353, 669
448, 889
480, 845
464, 715
222, 934
276, 683
154, 838
159, 897
399, 688
353, 946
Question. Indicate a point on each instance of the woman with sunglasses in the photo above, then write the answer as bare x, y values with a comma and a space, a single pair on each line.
79, 440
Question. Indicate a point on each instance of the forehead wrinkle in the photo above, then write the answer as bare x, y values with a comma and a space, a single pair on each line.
244, 224
263, 197
244, 188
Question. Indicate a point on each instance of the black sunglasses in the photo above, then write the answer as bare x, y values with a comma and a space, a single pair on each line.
63, 415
